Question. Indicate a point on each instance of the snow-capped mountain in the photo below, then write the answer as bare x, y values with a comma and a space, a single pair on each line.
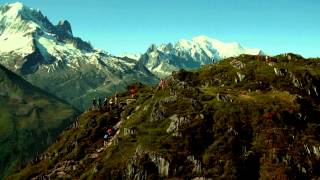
49, 56
189, 54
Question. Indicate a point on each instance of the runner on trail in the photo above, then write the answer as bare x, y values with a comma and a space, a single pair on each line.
107, 136
161, 85
133, 91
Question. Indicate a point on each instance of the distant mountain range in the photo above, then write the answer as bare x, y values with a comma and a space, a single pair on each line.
30, 120
50, 57
189, 54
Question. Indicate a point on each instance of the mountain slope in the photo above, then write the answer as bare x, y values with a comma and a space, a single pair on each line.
247, 117
50, 57
185, 54
30, 120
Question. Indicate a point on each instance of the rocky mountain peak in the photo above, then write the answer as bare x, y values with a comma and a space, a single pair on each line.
13, 8
16, 5
166, 47
18, 10
17, 19
65, 26
152, 48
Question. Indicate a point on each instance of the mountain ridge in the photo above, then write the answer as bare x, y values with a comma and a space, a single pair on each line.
190, 54
245, 117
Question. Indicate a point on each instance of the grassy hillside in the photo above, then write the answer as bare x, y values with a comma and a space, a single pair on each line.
30, 119
250, 117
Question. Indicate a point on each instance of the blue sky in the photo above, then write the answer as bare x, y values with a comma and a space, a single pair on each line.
117, 26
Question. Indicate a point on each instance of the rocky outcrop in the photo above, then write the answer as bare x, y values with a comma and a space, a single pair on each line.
296, 81
280, 71
146, 165
161, 163
178, 123
303, 81
223, 98
239, 77
237, 64
129, 131
197, 167
64, 26
159, 111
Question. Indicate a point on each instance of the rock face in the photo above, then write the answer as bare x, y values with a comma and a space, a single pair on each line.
176, 124
162, 164
146, 165
303, 81
65, 26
